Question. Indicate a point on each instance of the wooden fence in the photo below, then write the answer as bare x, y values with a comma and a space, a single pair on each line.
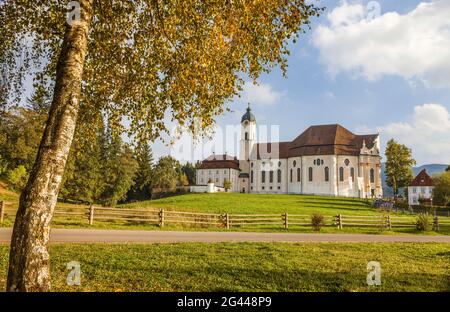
162, 217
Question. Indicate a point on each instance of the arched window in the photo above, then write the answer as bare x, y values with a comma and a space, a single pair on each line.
310, 174
327, 174
372, 176
263, 176
246, 136
298, 174
290, 176
279, 176
352, 173
271, 176
341, 174
294, 163
251, 176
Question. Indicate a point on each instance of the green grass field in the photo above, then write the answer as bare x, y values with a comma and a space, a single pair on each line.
261, 203
249, 267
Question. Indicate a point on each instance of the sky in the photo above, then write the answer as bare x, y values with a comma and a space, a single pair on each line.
371, 66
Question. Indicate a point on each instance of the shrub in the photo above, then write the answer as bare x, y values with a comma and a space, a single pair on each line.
423, 222
18, 177
227, 184
317, 221
3, 166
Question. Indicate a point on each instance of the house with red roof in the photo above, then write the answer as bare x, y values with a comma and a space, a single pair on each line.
421, 188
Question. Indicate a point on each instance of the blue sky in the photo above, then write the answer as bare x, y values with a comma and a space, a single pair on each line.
386, 73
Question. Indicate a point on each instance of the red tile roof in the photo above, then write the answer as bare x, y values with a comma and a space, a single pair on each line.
220, 162
422, 179
318, 140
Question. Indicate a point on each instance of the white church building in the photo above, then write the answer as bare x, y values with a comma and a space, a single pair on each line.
323, 160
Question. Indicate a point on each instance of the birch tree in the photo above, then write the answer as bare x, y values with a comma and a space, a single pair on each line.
137, 60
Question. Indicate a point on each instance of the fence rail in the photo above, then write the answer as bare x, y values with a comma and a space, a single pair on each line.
163, 217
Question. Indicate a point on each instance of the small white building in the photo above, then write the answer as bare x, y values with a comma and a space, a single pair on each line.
420, 188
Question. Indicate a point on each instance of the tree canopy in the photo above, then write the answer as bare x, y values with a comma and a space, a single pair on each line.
148, 59
398, 165
441, 190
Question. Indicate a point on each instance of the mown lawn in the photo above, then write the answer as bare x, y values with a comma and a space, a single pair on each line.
249, 267
261, 203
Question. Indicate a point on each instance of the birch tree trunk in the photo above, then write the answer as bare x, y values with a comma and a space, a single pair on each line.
29, 265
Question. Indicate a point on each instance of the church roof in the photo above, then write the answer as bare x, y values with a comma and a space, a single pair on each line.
248, 116
220, 162
422, 179
319, 140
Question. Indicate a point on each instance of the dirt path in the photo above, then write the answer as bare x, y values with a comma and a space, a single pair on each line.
131, 236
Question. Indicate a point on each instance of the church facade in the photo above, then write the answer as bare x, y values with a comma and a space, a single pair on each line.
323, 160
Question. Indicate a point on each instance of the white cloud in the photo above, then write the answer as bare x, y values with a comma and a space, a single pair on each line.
415, 46
261, 94
427, 133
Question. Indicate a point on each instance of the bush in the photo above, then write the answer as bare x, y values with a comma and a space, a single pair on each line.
18, 177
423, 222
3, 166
227, 184
317, 221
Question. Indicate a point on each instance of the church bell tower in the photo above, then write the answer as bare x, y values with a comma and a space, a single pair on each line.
248, 140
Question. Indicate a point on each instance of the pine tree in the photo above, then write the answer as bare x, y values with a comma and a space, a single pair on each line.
141, 189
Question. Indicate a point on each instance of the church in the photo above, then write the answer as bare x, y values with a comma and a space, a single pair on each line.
323, 160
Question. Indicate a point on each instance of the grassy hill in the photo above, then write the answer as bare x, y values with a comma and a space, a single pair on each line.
260, 203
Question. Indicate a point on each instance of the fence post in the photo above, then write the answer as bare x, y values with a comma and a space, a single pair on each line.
227, 221
91, 214
2, 211
339, 221
286, 222
436, 223
161, 218
388, 221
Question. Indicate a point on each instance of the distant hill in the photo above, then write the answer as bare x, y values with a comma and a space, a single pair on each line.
431, 170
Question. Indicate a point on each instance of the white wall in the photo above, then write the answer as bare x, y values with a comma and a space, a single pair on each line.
416, 192
218, 176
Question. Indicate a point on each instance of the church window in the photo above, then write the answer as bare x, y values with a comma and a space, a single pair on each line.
327, 174
321, 161
279, 187
290, 175
279, 164
347, 162
372, 176
315, 162
279, 176
318, 162
298, 174
246, 136
251, 176
271, 176
263, 187
352, 173
294, 163
271, 187
310, 174
263, 176
341, 174
252, 165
